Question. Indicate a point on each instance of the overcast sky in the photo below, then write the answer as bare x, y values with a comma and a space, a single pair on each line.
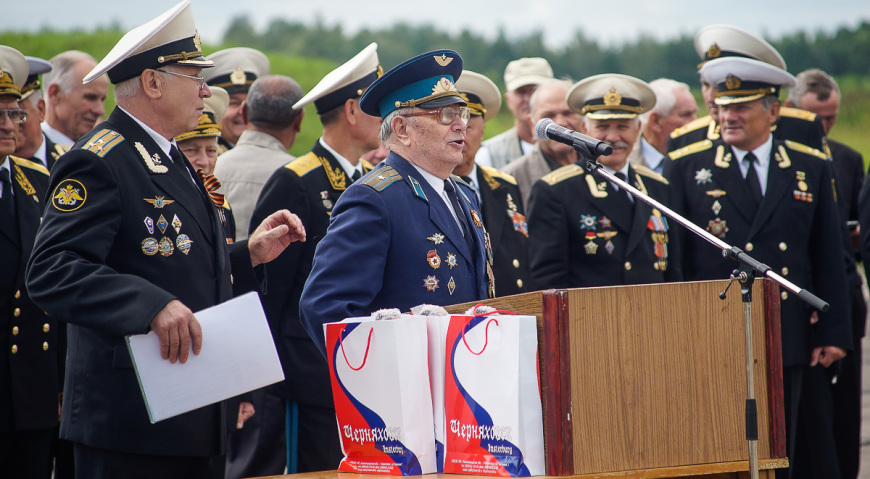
607, 20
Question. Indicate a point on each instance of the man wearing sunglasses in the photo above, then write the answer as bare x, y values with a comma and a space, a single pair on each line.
408, 232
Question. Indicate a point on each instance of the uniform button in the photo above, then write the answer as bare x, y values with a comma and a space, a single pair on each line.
231, 279
45, 346
516, 263
783, 246
18, 294
15, 330
749, 247
14, 349
656, 266
784, 295
46, 328
519, 283
16, 312
785, 271
628, 265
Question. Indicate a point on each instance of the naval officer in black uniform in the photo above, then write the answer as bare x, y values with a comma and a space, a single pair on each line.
131, 242
585, 231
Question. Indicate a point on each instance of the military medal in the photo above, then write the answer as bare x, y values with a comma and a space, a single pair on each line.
605, 222
159, 201
717, 207
587, 222
149, 246
149, 223
437, 238
519, 221
451, 285
510, 203
433, 259
703, 176
717, 228
176, 223
165, 247
431, 283
327, 203
716, 193
607, 235
591, 247
476, 218
162, 224
183, 243
451, 260
659, 233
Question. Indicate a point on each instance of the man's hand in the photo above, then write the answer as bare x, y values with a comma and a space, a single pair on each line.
274, 234
246, 410
177, 329
826, 355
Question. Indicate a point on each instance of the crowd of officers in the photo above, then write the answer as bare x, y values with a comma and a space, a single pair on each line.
758, 172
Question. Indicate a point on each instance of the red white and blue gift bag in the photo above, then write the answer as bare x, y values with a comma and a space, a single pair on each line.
437, 326
492, 401
380, 383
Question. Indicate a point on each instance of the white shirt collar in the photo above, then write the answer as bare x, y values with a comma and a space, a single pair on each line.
651, 155
55, 135
6, 166
345, 165
162, 142
761, 168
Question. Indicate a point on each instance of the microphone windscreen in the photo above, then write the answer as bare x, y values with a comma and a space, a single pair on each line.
541, 128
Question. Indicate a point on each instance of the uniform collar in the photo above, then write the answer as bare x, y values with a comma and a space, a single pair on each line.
161, 142
345, 165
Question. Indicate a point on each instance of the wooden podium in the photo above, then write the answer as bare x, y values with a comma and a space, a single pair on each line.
650, 381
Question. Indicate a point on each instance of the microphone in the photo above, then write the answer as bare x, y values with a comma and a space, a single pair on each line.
547, 129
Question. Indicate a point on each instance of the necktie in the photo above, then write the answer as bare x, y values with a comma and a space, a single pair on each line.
6, 201
467, 179
356, 176
460, 213
752, 177
625, 194
212, 185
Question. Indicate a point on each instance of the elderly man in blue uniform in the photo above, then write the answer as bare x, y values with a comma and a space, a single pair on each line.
502, 207
132, 242
775, 199
408, 232
310, 185
584, 230
29, 377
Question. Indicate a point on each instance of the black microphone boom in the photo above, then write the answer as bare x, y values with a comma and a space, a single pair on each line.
547, 129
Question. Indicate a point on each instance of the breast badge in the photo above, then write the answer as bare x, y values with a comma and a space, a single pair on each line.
159, 201
519, 221
607, 235
590, 246
176, 224
69, 195
801, 194
717, 228
605, 223
327, 203
451, 285
451, 260
162, 224
717, 207
430, 283
703, 176
183, 243
475, 216
149, 223
149, 246
433, 259
437, 238
658, 227
165, 247
587, 222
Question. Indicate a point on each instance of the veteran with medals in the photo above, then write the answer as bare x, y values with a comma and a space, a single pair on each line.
408, 232
584, 230
131, 242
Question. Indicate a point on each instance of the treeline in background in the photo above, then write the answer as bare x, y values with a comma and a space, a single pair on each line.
307, 52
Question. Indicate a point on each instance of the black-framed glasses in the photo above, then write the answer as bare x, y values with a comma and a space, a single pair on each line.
16, 115
446, 114
201, 80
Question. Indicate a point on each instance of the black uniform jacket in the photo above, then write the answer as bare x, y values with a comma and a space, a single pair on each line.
127, 230
308, 186
796, 230
29, 380
583, 232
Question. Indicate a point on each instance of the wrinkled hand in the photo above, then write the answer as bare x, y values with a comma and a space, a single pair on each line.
177, 329
246, 410
826, 355
274, 234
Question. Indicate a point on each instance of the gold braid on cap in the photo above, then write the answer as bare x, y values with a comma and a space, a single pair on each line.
758, 91
476, 108
443, 87
179, 56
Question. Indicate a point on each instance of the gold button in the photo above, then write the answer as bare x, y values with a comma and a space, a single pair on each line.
14, 349
231, 279
784, 295
45, 346
656, 266
516, 263
628, 265
785, 271
16, 312
46, 328
519, 283
15, 330
783, 246
18, 294
749, 247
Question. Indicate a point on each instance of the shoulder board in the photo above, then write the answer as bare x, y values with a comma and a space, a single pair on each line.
690, 149
29, 164
693, 125
488, 170
644, 171
385, 177
793, 145
366, 166
304, 164
103, 142
61, 149
562, 174
797, 113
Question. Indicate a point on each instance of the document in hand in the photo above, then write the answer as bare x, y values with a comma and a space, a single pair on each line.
238, 355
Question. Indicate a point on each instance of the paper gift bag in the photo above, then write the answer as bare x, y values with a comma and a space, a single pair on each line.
492, 401
380, 383
437, 326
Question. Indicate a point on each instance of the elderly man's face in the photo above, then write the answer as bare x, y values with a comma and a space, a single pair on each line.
473, 138
551, 103
620, 133
183, 99
518, 100
827, 110
433, 142
78, 110
232, 124
684, 111
8, 129
29, 132
747, 125
708, 91
201, 152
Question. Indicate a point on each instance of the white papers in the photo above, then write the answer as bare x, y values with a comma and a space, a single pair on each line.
238, 355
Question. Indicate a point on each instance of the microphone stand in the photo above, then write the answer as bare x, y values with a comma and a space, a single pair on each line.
745, 274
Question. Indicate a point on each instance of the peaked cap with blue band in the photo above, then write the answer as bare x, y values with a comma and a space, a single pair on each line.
425, 81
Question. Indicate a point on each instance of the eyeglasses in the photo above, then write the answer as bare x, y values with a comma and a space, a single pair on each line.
201, 80
15, 115
446, 114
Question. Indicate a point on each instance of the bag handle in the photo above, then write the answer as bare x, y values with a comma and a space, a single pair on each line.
365, 358
498, 311
485, 338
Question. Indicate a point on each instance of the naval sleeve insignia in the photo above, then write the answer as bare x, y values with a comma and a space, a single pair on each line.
69, 195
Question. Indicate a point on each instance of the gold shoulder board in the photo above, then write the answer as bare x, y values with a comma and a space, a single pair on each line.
304, 164
797, 113
793, 145
693, 125
644, 171
562, 174
29, 164
690, 149
103, 142
488, 170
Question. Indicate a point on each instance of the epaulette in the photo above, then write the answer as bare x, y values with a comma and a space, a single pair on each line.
103, 142
29, 164
59, 150
562, 174
645, 171
793, 145
366, 165
797, 113
498, 174
689, 149
304, 164
384, 178
693, 125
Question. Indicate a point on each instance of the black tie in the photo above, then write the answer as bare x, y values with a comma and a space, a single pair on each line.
356, 175
7, 200
467, 179
626, 194
460, 214
752, 177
